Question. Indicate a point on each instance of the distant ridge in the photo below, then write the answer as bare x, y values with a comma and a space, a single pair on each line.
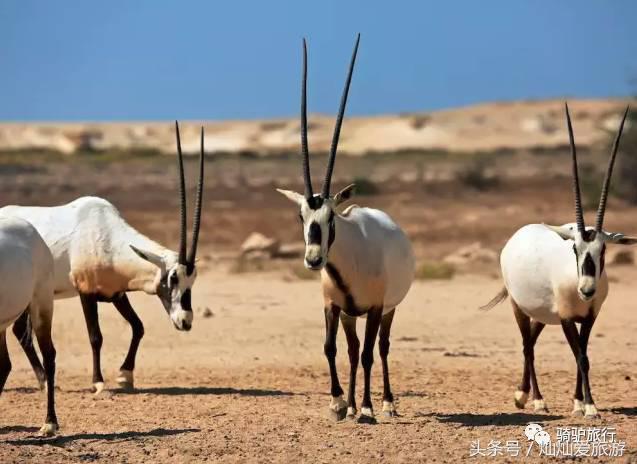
518, 125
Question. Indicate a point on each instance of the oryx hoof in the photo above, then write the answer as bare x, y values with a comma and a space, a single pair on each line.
338, 408
520, 399
48, 430
367, 416
125, 380
98, 388
540, 406
389, 410
578, 408
351, 413
590, 412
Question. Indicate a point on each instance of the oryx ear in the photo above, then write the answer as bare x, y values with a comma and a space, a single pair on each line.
620, 239
567, 233
292, 196
148, 256
344, 194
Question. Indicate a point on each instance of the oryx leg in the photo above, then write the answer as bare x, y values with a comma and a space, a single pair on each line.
367, 360
5, 362
353, 349
41, 318
530, 331
338, 406
89, 306
579, 346
21, 331
389, 409
125, 379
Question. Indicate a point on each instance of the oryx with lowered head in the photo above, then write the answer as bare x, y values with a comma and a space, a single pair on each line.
100, 257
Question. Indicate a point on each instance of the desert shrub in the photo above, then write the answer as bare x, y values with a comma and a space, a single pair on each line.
438, 270
475, 175
365, 187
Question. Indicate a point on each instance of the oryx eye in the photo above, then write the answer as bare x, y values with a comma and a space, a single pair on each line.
174, 280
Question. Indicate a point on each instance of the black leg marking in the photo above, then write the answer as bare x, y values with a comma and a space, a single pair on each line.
89, 305
536, 330
367, 357
5, 362
126, 310
383, 348
530, 331
579, 345
331, 328
21, 329
43, 334
353, 349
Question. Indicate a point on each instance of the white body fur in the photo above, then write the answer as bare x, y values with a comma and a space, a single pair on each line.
26, 267
26, 284
540, 273
373, 256
89, 241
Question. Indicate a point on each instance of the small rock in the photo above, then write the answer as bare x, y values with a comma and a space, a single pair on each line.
260, 244
207, 312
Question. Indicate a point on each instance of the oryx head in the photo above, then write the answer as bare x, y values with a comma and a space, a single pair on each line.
589, 244
317, 211
176, 278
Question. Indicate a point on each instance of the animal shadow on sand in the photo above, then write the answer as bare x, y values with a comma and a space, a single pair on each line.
630, 411
62, 440
176, 391
18, 429
497, 419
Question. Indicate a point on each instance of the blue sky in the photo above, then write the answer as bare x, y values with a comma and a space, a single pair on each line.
162, 60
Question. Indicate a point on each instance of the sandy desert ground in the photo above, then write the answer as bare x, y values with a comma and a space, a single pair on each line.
250, 383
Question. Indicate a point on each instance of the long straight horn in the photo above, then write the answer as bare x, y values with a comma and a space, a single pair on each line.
307, 179
579, 214
339, 122
182, 201
198, 205
609, 172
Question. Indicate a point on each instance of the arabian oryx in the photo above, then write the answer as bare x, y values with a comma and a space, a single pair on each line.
366, 263
555, 275
101, 257
26, 293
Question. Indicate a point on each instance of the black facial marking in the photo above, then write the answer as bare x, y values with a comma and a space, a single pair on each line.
164, 291
315, 202
314, 234
588, 269
186, 303
332, 235
602, 258
589, 235
350, 308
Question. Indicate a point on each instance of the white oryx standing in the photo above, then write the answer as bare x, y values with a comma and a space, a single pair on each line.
99, 256
366, 264
555, 275
26, 287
